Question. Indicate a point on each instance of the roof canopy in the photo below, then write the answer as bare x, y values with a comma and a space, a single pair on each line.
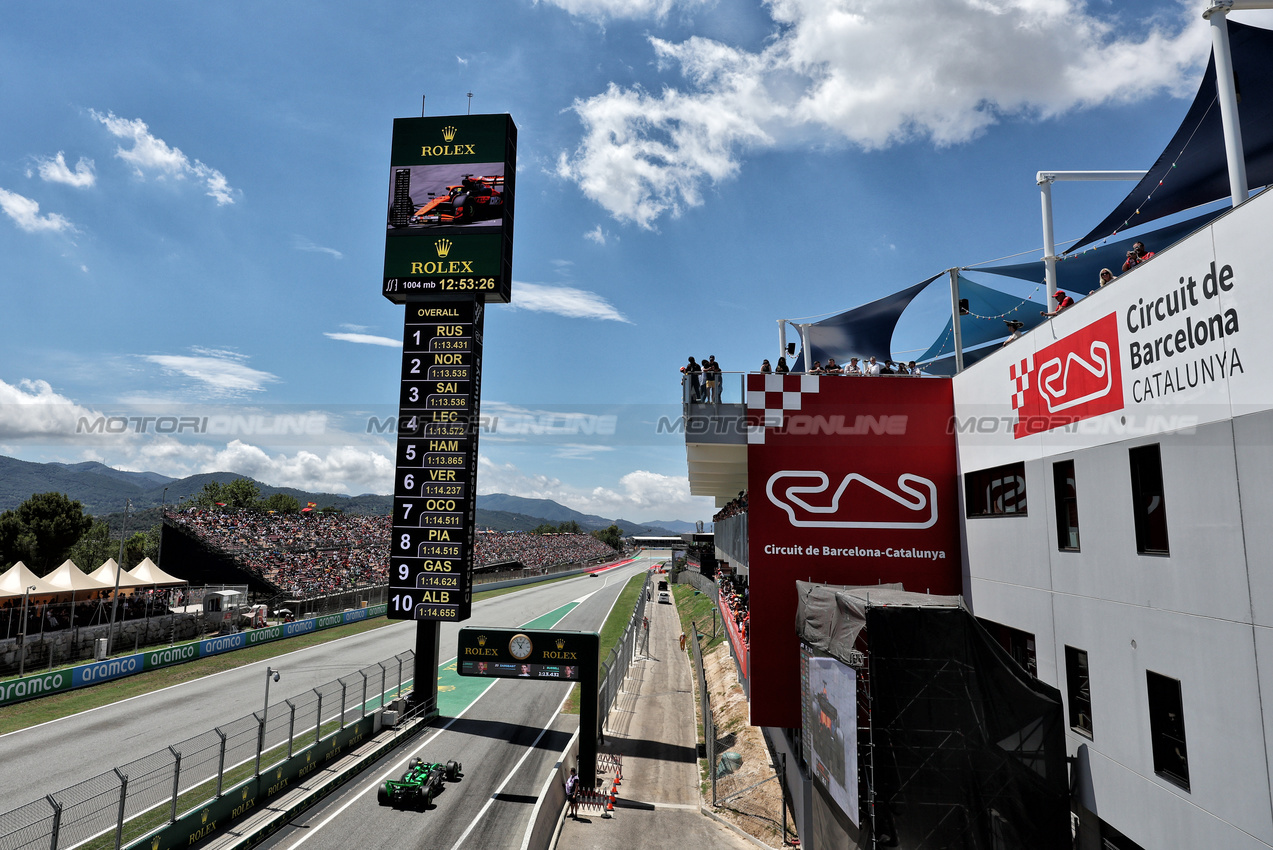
105, 574
1193, 170
148, 572
988, 309
16, 580
70, 577
862, 332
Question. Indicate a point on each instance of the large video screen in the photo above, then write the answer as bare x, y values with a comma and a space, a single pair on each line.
449, 214
830, 728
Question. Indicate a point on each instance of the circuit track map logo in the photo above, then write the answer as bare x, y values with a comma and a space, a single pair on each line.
916, 496
1072, 379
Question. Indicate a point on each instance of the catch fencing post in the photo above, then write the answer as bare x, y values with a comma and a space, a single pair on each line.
318, 724
343, 688
383, 682
291, 725
176, 779
57, 821
123, 798
220, 763
260, 741
363, 673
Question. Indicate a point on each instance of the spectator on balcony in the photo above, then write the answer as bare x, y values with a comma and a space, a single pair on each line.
765, 368
693, 374
1136, 256
781, 368
853, 368
871, 369
817, 368
712, 368
1062, 302
833, 368
913, 370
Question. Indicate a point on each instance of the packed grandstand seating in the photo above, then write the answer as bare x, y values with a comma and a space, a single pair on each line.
313, 553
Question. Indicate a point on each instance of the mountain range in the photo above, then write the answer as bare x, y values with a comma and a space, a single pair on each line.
103, 491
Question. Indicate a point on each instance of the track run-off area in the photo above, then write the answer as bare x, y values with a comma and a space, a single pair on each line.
507, 734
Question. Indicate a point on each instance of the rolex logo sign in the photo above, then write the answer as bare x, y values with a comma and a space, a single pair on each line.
443, 247
448, 133
204, 815
245, 793
481, 640
561, 644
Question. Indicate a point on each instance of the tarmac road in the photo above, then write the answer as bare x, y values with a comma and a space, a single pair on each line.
507, 740
47, 758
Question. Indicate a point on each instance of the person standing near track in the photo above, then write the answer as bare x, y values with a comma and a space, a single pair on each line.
572, 794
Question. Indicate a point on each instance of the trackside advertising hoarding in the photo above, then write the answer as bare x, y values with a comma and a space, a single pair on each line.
851, 481
96, 672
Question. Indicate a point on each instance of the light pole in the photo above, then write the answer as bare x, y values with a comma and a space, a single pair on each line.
119, 566
22, 658
270, 673
159, 556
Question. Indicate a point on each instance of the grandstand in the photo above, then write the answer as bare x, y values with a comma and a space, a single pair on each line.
314, 553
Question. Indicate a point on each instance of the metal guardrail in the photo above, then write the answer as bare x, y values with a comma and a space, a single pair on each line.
118, 807
620, 658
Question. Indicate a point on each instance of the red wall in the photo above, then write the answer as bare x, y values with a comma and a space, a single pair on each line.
887, 436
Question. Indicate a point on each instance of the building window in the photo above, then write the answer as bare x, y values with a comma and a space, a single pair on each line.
1079, 688
1018, 644
1167, 728
1067, 506
996, 492
1147, 500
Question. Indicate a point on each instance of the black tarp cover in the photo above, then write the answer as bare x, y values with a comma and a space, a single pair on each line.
1192, 168
968, 750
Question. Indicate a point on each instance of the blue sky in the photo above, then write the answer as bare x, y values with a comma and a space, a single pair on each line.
193, 206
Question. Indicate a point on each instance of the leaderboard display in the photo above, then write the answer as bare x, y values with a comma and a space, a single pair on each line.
435, 498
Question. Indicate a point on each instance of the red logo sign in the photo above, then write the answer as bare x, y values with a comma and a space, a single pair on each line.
1072, 379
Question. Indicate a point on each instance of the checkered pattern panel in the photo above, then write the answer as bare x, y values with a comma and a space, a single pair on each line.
769, 397
1019, 374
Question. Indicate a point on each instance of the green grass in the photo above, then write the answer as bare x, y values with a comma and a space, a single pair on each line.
52, 707
611, 631
32, 712
697, 607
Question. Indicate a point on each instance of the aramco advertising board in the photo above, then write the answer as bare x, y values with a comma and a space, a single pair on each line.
851, 481
449, 216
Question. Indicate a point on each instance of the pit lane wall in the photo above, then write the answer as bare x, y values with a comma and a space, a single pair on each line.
84, 675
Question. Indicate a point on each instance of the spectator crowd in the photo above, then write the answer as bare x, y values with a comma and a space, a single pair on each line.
314, 553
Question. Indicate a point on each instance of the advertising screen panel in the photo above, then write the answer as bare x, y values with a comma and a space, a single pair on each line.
851, 481
449, 216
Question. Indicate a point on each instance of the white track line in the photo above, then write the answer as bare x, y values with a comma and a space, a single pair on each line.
390, 773
510, 775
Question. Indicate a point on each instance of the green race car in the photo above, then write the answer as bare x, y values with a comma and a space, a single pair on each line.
419, 785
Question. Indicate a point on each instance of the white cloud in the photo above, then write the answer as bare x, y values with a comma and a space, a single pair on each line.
596, 235
223, 373
564, 301
55, 170
869, 75
600, 10
31, 408
26, 214
303, 244
151, 154
365, 339
639, 496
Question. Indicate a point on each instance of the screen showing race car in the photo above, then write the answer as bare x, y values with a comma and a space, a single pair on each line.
446, 198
